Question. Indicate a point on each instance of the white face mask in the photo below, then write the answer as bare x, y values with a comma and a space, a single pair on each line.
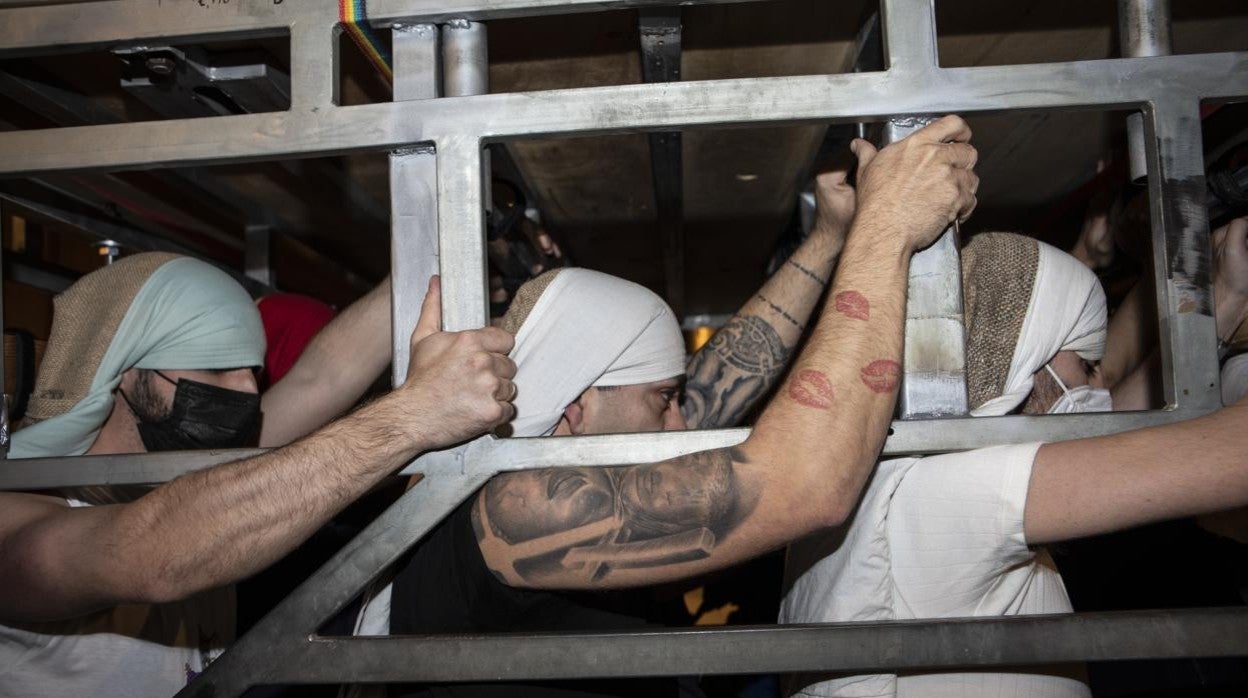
1083, 398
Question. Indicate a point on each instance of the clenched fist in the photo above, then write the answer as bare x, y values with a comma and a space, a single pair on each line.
458, 383
835, 201
919, 185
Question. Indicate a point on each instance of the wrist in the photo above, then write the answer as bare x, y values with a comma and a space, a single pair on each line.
403, 430
877, 238
828, 241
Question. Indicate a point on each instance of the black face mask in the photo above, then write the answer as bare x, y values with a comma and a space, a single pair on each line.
203, 417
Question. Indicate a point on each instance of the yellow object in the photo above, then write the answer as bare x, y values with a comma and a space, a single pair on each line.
697, 337
693, 601
718, 616
17, 226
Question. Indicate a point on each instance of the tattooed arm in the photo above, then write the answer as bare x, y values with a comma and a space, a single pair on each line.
802, 467
746, 357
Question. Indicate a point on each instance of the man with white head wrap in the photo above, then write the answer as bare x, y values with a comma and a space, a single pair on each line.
598, 355
953, 535
112, 592
608, 332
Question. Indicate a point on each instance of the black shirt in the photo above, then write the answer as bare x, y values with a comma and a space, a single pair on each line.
445, 587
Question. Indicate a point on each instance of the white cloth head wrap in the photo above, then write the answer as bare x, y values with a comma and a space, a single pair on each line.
1066, 313
589, 329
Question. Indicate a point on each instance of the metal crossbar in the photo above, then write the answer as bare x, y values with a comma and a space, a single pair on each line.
437, 195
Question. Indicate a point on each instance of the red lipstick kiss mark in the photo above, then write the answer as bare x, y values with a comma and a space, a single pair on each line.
853, 304
812, 389
881, 376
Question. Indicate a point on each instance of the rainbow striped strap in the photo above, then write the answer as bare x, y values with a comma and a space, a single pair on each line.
351, 13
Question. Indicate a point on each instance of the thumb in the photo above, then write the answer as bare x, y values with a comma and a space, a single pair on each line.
430, 320
865, 153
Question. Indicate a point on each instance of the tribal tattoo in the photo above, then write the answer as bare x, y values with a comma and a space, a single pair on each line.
732, 372
550, 527
853, 304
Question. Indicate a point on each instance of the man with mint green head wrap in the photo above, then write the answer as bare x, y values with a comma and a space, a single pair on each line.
185, 315
121, 592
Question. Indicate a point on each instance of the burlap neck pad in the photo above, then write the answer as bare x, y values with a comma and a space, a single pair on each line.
998, 276
84, 321
526, 297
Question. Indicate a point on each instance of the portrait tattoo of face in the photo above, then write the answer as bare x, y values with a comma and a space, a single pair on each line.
589, 521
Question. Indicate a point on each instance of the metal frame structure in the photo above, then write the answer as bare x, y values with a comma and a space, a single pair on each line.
438, 200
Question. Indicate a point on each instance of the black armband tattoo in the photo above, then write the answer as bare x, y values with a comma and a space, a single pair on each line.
813, 276
781, 312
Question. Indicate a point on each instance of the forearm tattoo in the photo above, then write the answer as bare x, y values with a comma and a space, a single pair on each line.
812, 275
781, 312
540, 527
732, 372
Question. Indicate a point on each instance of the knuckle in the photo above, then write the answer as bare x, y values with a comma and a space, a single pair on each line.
479, 361
501, 336
494, 413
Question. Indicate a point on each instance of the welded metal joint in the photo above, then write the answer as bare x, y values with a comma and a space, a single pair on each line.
465, 58
934, 360
1143, 31
417, 61
414, 250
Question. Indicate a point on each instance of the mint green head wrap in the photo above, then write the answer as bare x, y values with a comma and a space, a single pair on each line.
153, 310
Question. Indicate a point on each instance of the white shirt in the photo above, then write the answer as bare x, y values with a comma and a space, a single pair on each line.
937, 537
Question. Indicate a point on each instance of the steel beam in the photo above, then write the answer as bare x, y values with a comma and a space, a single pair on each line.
461, 233
413, 192
1143, 31
30, 30
660, 34
845, 98
1182, 263
909, 34
466, 72
933, 380
845, 647
465, 59
499, 455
